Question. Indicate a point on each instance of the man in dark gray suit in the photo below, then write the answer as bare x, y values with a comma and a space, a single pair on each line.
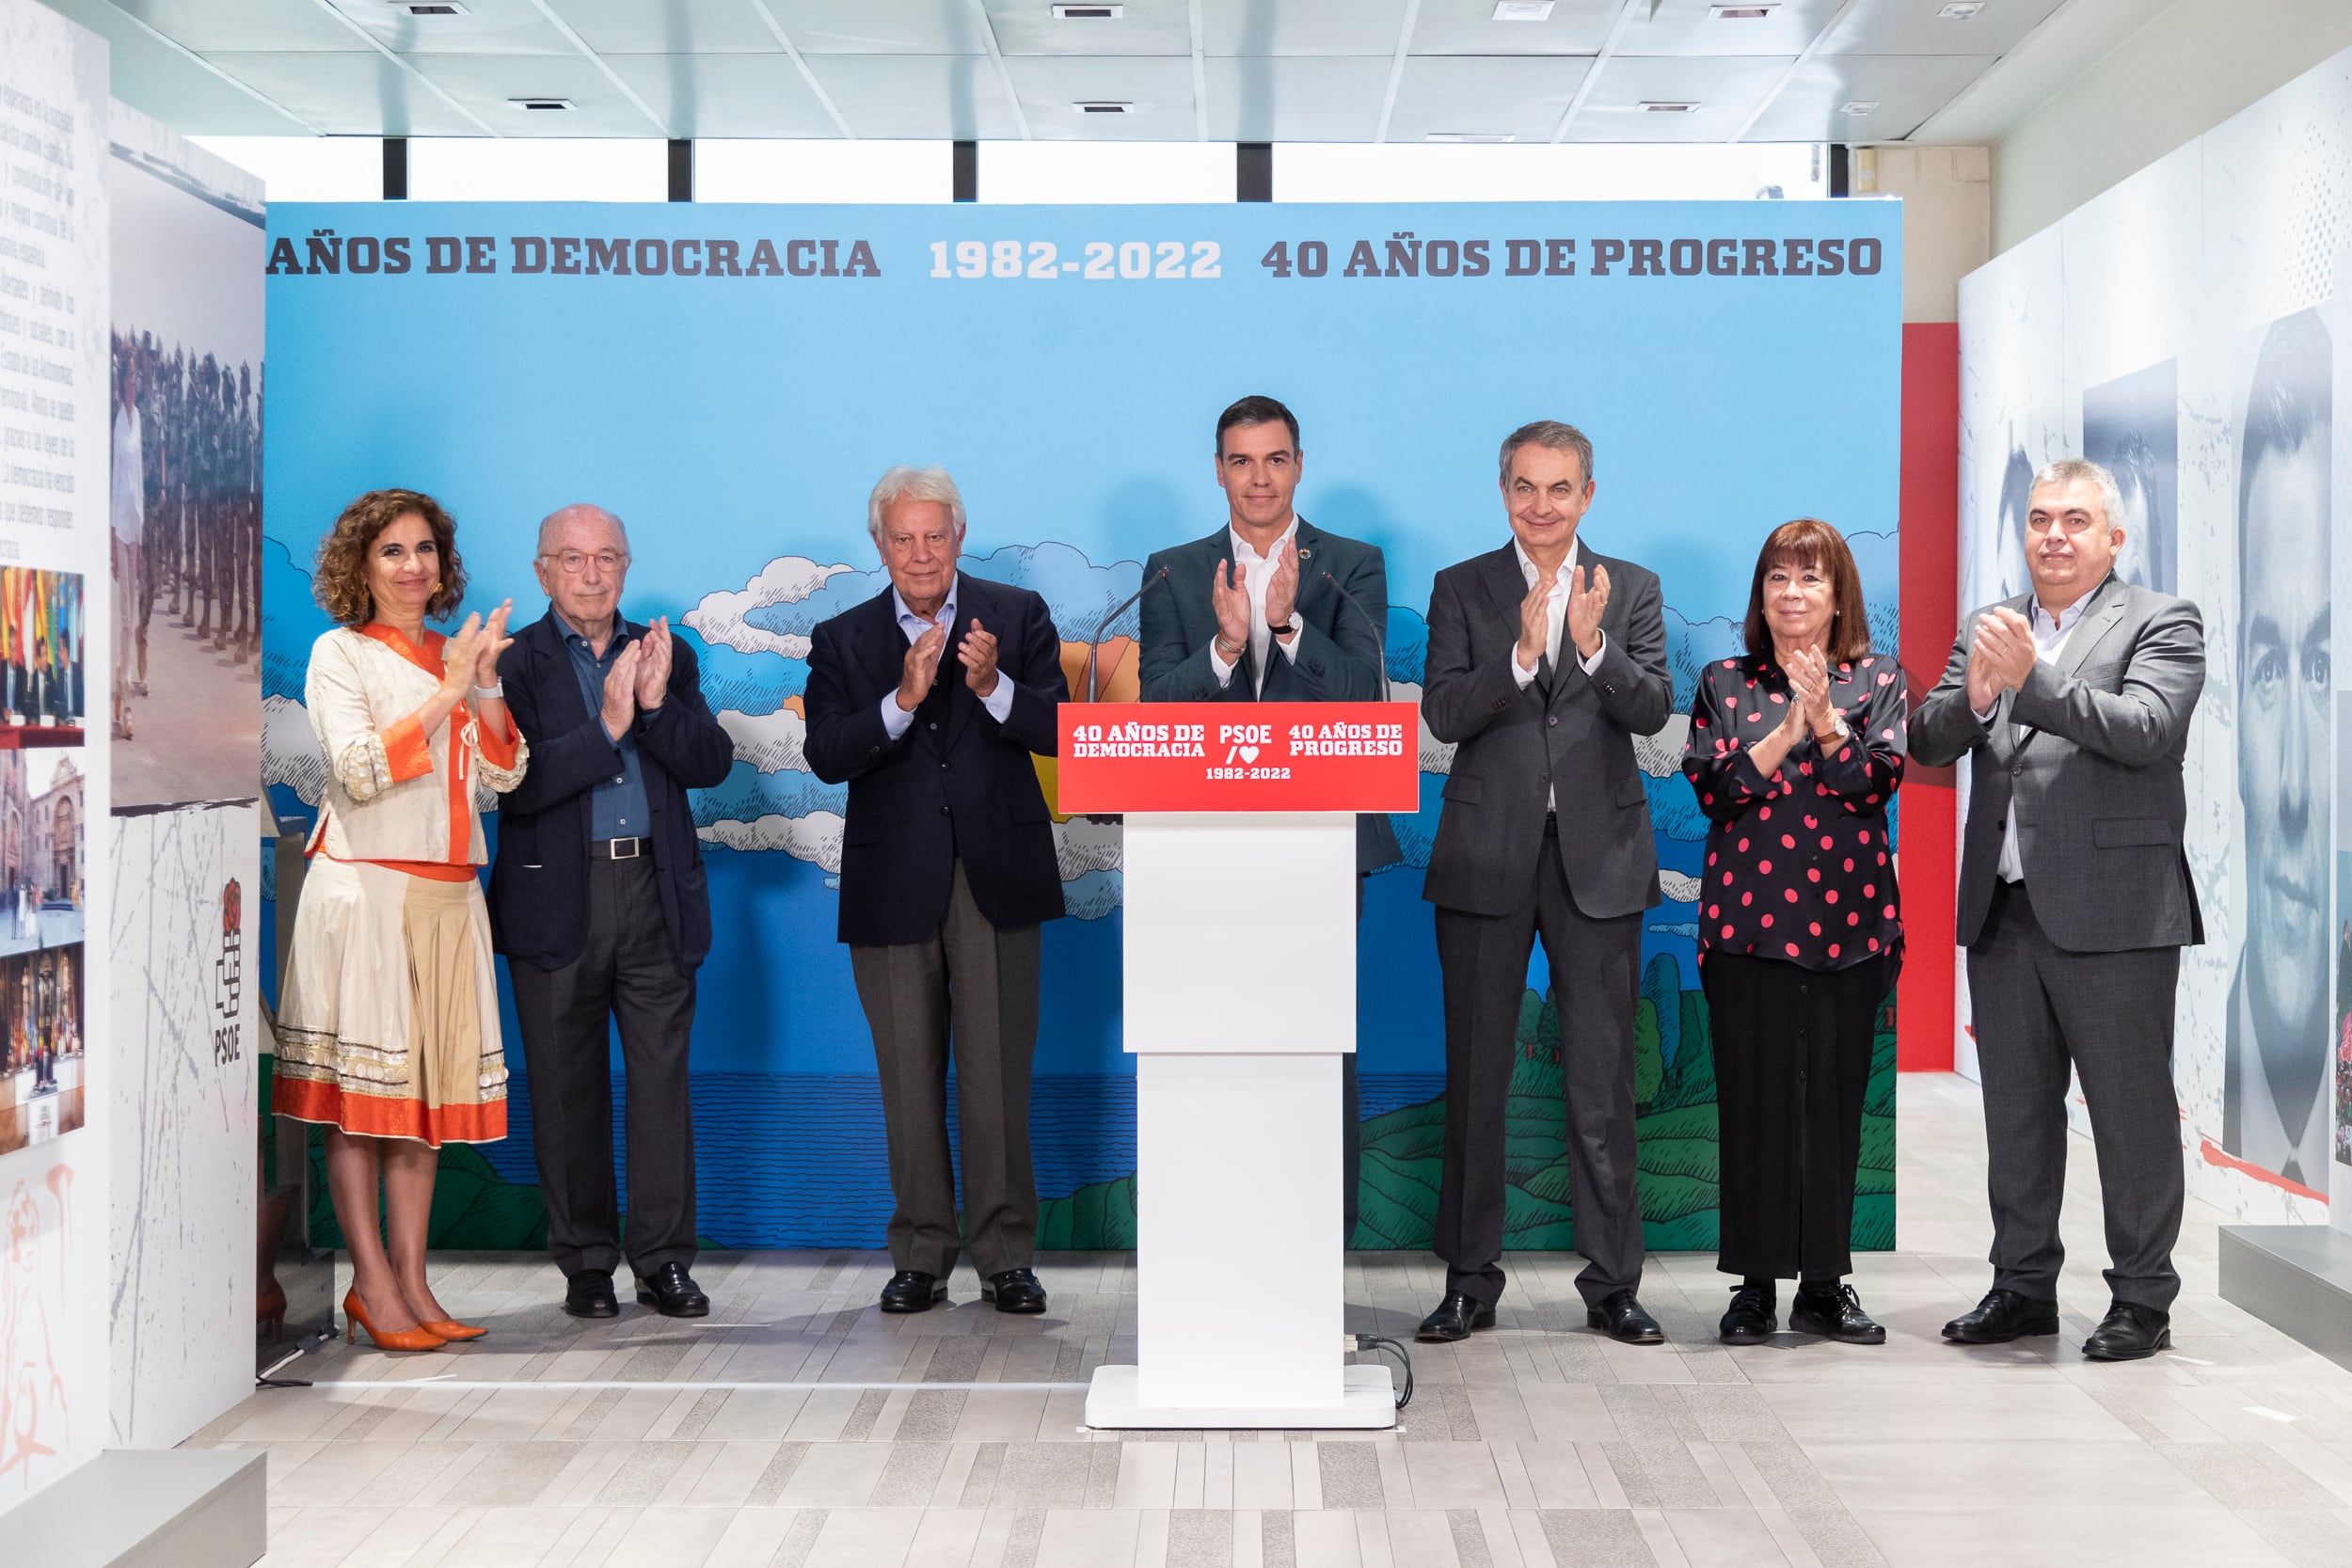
1546, 832
2074, 722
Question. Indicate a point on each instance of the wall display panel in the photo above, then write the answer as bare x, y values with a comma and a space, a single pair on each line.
2186, 328
732, 381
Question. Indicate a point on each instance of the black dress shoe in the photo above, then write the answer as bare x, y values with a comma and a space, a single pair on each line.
588, 1293
912, 1290
1622, 1319
1454, 1318
1837, 1314
2003, 1316
1014, 1290
2129, 1332
1751, 1319
672, 1291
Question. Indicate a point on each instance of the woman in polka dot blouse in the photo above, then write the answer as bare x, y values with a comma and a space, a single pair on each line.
1795, 752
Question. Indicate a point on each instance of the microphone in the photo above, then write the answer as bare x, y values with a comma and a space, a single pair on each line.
1094, 643
1379, 643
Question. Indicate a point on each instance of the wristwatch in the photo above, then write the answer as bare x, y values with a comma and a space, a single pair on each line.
484, 693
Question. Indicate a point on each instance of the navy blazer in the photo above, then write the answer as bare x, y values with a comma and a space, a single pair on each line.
539, 882
955, 785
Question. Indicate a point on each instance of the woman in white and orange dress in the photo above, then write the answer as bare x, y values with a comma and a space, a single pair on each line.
387, 1028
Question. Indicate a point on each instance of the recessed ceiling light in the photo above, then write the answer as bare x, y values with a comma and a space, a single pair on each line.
429, 7
1859, 106
541, 103
1743, 14
1470, 136
1961, 10
1522, 10
1089, 13
1102, 107
1668, 105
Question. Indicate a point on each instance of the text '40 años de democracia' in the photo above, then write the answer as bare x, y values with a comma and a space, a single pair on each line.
1399, 255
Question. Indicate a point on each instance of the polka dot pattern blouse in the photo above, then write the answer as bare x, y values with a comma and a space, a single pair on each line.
1799, 865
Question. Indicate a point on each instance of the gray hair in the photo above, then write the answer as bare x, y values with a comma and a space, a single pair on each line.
1552, 433
2066, 470
556, 519
906, 482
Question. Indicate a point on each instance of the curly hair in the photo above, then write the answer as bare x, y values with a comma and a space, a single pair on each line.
341, 583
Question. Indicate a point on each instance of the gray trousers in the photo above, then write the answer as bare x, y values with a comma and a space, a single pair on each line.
1595, 974
969, 990
2037, 1008
628, 974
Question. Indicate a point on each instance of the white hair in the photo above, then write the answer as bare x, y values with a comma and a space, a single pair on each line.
555, 519
906, 482
2066, 470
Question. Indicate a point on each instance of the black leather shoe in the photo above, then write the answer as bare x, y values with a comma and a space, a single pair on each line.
1835, 1314
1622, 1319
2003, 1316
912, 1290
1454, 1318
671, 1292
2130, 1332
588, 1293
1014, 1290
1751, 1319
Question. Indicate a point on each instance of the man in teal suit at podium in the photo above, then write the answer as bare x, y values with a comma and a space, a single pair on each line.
1271, 608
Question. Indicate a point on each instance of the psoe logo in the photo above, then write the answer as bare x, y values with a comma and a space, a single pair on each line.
228, 977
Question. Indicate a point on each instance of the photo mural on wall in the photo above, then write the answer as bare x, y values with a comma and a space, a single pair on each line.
735, 423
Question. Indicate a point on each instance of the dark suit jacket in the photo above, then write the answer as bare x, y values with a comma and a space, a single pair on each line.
2089, 750
1568, 732
539, 883
1339, 659
957, 784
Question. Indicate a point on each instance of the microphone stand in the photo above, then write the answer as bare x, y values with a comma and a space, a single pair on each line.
1094, 643
1379, 643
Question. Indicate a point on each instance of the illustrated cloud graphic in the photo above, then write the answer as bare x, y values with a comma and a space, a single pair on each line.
728, 619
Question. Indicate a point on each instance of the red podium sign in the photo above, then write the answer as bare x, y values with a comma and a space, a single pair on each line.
1239, 757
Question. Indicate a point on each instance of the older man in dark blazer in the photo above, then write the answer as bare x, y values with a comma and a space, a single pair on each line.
947, 874
1546, 660
597, 900
2072, 705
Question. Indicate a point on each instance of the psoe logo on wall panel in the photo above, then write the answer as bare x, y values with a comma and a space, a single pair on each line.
228, 977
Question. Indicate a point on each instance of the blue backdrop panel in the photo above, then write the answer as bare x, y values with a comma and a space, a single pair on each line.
732, 379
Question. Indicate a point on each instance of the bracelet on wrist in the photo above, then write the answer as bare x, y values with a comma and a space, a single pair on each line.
484, 693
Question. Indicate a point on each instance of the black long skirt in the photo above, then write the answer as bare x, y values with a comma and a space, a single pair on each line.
1792, 1067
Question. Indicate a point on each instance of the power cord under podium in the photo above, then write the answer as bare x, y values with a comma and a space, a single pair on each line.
1404, 1358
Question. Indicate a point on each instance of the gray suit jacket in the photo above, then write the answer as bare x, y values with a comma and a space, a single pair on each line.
1568, 731
2089, 750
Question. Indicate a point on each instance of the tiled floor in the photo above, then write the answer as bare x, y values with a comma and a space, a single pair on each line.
1535, 1444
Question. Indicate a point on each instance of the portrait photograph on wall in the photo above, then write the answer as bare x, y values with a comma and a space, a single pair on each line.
2131, 427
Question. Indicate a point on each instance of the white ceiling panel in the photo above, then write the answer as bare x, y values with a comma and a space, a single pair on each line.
1724, 87
1146, 27
1905, 89
1913, 28
205, 26
360, 94
1519, 96
1157, 90
1685, 27
881, 27
727, 95
934, 97
1254, 28
1301, 99
485, 82
672, 27
1468, 27
486, 27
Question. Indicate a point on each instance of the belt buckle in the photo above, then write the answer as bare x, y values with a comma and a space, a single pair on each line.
636, 846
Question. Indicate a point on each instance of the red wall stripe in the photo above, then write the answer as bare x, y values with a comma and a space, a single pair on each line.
1931, 619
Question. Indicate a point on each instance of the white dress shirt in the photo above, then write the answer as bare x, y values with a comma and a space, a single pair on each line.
2050, 632
1556, 620
896, 719
1256, 572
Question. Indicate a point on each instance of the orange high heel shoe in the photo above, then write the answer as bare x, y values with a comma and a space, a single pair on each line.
455, 1331
355, 1319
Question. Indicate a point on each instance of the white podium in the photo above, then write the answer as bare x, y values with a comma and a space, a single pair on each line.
1238, 1042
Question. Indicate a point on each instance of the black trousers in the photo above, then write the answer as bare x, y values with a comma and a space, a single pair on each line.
2037, 1007
628, 974
970, 990
1595, 974
1793, 1068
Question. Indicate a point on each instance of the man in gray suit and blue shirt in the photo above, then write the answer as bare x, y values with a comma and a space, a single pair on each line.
2072, 704
1546, 660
